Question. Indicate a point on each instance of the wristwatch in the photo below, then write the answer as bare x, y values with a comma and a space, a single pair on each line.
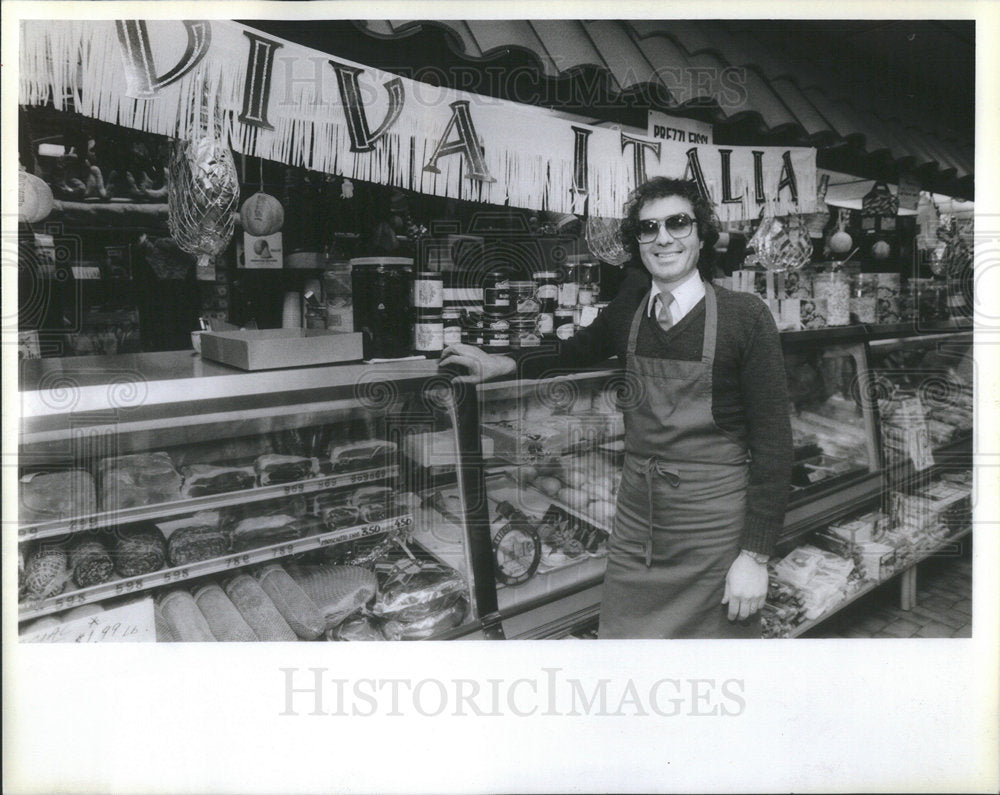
758, 557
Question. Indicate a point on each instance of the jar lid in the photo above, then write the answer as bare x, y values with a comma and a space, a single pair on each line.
361, 262
544, 275
435, 275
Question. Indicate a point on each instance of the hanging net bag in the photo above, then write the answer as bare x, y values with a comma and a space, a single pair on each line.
603, 240
204, 188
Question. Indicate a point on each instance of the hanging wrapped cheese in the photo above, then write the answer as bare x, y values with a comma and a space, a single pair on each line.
34, 198
203, 183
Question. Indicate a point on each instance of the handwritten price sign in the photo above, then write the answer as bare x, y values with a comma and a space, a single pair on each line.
132, 623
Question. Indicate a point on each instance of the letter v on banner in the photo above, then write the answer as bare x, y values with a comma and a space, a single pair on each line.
141, 80
362, 138
467, 144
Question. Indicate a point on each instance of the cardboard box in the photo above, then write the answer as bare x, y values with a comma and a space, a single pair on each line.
267, 349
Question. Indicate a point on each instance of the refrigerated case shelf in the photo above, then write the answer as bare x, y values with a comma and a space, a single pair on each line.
176, 575
123, 516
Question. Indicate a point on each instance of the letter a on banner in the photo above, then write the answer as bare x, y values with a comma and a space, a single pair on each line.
141, 80
467, 144
362, 138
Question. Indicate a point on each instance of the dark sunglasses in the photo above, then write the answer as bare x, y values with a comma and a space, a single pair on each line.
678, 227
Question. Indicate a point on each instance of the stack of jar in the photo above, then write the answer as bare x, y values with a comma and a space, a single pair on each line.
428, 313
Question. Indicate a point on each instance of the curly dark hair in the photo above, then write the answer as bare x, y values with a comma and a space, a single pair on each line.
660, 188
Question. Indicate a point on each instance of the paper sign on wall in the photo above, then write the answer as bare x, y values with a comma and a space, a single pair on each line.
131, 623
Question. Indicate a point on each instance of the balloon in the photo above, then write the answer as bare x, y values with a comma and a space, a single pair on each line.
840, 243
34, 198
262, 214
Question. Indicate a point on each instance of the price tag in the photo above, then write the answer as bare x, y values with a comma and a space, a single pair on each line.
917, 440
132, 623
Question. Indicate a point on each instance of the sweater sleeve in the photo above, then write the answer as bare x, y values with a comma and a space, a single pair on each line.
588, 346
764, 391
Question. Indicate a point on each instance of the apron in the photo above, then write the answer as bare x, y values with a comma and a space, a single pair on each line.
681, 503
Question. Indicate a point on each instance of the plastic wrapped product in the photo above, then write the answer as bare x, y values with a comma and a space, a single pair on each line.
139, 553
426, 627
289, 506
357, 627
204, 479
47, 572
292, 602
225, 621
258, 610
273, 468
259, 531
164, 632
141, 479
90, 562
361, 455
194, 543
47, 496
338, 591
187, 623
408, 596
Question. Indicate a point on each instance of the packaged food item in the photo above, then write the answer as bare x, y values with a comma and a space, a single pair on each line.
139, 552
295, 506
273, 468
835, 288
356, 628
292, 602
451, 321
428, 332
338, 591
260, 531
430, 625
199, 538
224, 620
374, 503
164, 630
139, 479
517, 549
48, 496
90, 562
46, 572
187, 623
201, 480
362, 455
496, 293
408, 595
258, 610
428, 290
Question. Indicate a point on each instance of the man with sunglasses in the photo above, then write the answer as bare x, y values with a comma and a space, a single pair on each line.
708, 443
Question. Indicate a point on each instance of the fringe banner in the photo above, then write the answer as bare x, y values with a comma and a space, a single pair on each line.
527, 152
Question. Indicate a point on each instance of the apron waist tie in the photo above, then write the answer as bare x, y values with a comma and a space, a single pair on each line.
653, 464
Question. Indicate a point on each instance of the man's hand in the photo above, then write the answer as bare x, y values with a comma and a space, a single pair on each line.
479, 366
746, 587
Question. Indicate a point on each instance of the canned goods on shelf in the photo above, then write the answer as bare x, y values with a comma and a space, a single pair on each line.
496, 293
428, 290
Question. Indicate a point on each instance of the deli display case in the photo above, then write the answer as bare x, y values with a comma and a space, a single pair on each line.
218, 498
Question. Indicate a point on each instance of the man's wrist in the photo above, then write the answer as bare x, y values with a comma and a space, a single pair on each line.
756, 557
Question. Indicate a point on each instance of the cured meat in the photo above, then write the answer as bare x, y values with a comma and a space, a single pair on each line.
338, 591
139, 553
91, 563
225, 621
259, 531
410, 596
273, 468
361, 455
355, 628
258, 610
203, 479
292, 602
194, 543
47, 496
164, 631
46, 572
426, 627
140, 479
186, 621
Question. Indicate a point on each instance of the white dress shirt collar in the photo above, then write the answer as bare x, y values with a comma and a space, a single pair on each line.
686, 296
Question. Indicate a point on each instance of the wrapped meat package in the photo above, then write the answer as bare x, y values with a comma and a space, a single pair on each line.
428, 626
164, 631
139, 553
225, 621
288, 506
273, 468
292, 602
187, 623
203, 479
359, 627
361, 455
338, 591
46, 572
140, 479
90, 562
408, 596
196, 542
258, 610
259, 531
48, 496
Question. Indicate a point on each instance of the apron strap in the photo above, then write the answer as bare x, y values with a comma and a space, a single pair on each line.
633, 333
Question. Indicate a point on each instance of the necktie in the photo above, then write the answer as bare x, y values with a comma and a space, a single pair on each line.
663, 301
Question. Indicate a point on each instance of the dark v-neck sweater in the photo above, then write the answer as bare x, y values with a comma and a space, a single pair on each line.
749, 389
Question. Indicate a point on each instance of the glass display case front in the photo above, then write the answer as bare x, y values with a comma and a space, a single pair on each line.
300, 520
